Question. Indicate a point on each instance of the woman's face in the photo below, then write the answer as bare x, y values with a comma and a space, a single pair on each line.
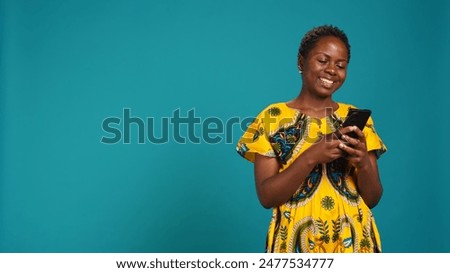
325, 67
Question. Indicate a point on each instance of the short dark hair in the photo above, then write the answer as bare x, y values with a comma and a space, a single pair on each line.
311, 37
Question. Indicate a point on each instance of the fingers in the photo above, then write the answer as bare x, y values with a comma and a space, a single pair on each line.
327, 149
351, 141
334, 153
355, 157
338, 144
352, 145
359, 133
347, 149
354, 129
354, 137
336, 134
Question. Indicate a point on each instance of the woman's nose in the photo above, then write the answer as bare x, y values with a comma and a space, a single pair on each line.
330, 69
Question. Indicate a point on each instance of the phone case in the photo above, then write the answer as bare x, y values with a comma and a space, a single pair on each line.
356, 117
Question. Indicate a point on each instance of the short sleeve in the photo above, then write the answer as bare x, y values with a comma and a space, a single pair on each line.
373, 141
255, 140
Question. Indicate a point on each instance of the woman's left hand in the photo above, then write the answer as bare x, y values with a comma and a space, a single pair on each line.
355, 148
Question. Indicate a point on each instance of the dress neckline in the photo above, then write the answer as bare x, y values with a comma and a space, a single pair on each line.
312, 117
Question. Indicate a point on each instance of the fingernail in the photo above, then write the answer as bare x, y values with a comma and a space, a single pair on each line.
341, 145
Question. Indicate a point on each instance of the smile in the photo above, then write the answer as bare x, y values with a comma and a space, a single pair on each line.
326, 82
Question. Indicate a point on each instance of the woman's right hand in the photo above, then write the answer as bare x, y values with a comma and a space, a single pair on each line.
326, 148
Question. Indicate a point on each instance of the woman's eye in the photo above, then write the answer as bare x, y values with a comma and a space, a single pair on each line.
341, 66
322, 61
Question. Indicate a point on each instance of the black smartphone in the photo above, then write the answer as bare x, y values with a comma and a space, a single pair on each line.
356, 117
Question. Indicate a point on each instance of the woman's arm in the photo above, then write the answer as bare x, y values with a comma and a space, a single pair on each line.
368, 181
275, 188
367, 176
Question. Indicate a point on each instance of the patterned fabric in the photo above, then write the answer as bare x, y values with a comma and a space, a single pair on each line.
326, 214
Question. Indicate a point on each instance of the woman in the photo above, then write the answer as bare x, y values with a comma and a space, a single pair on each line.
320, 182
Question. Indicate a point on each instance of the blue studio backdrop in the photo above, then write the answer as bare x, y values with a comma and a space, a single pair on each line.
119, 119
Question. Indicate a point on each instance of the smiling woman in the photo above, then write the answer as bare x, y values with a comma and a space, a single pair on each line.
319, 181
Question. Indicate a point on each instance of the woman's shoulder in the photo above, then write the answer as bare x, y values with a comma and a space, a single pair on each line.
343, 108
342, 111
346, 105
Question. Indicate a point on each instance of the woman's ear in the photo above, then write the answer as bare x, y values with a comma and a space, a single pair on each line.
300, 64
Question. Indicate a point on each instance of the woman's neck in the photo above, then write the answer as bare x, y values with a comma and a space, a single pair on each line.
313, 106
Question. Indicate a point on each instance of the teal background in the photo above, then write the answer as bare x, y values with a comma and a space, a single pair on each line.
67, 65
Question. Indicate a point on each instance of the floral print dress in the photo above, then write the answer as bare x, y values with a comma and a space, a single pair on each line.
326, 214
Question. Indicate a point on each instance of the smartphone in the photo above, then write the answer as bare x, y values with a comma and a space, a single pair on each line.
356, 117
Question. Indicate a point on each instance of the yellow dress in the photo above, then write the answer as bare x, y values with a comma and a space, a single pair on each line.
326, 214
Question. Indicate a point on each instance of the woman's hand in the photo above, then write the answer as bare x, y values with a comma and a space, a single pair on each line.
355, 148
331, 147
367, 177
325, 149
